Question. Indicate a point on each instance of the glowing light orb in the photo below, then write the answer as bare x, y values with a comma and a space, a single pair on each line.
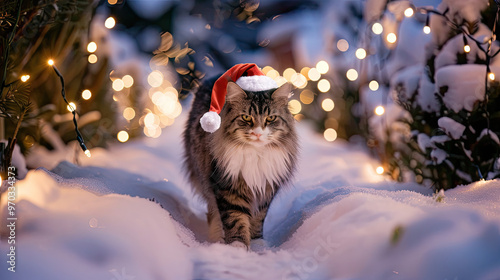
322, 67
379, 110
122, 136
86, 94
92, 47
327, 105
294, 106
377, 28
379, 170
373, 85
330, 134
110, 23
352, 74
324, 85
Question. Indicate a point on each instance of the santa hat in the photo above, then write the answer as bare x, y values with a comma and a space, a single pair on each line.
254, 80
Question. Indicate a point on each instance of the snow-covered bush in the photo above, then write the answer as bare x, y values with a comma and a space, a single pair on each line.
441, 124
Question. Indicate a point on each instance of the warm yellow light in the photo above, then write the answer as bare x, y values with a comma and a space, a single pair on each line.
112, 2
324, 85
25, 78
50, 62
122, 136
409, 12
392, 38
361, 53
330, 134
379, 170
129, 113
313, 74
327, 104
467, 48
87, 153
266, 69
307, 96
92, 47
491, 76
128, 81
110, 23
298, 80
373, 85
71, 107
288, 73
86, 94
427, 29
294, 106
155, 78
352, 75
273, 74
377, 28
92, 58
118, 85
322, 67
342, 45
305, 71
379, 110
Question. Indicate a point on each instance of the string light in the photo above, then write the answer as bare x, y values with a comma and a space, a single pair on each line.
379, 110
373, 85
288, 73
377, 28
86, 94
379, 170
392, 38
71, 107
79, 136
110, 23
352, 75
427, 28
409, 12
92, 47
155, 78
25, 78
92, 58
122, 136
466, 44
491, 76
361, 53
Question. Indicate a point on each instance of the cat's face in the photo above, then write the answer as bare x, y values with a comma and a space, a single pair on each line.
257, 119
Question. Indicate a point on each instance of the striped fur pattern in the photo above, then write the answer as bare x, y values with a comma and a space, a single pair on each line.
239, 168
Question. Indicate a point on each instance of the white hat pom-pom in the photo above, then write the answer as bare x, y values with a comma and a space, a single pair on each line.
210, 121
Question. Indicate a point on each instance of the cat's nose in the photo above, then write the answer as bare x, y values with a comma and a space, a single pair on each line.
258, 135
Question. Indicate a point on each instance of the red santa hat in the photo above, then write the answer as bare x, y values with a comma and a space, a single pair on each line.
254, 80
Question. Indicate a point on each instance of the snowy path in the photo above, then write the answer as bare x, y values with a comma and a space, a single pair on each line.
340, 220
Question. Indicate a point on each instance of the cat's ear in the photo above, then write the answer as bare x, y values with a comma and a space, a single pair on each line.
283, 92
234, 92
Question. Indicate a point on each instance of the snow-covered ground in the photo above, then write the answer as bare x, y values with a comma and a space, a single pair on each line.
339, 220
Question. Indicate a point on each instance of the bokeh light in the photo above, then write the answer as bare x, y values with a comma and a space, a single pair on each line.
314, 74
118, 85
327, 104
330, 134
342, 45
392, 38
322, 67
155, 79
379, 110
361, 53
110, 23
294, 106
92, 47
128, 81
377, 28
86, 94
373, 85
122, 136
352, 75
129, 113
306, 96
92, 58
324, 85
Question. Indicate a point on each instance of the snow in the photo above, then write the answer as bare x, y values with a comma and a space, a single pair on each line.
339, 220
451, 127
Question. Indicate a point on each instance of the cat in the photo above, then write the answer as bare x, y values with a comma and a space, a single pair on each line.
239, 168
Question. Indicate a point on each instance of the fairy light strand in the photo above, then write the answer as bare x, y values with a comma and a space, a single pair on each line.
73, 111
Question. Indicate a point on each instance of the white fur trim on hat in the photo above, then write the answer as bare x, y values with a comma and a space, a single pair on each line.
256, 83
210, 121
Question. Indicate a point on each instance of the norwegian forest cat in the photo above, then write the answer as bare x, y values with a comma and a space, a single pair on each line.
239, 168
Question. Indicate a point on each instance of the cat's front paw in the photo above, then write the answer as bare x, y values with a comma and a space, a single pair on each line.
239, 244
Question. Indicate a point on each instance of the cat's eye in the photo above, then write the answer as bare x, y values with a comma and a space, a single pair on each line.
271, 118
246, 118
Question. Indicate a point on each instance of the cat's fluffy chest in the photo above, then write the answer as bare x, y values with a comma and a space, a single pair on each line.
257, 165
